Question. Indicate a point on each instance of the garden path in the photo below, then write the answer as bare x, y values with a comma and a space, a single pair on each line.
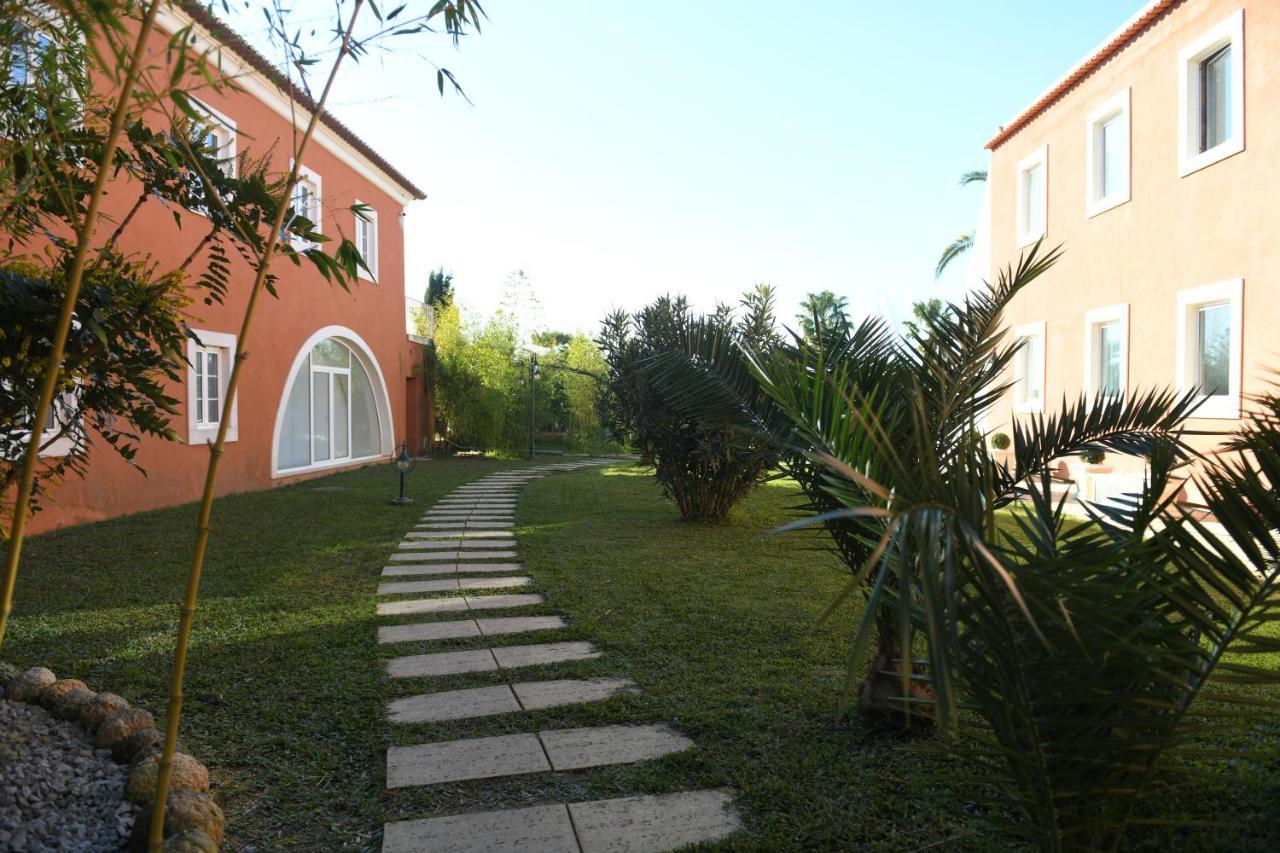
471, 532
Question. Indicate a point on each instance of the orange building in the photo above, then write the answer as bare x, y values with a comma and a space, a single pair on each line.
333, 379
1153, 163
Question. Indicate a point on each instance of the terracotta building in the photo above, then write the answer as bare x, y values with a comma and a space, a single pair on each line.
334, 377
1152, 163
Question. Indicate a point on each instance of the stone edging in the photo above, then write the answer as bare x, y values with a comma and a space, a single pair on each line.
193, 823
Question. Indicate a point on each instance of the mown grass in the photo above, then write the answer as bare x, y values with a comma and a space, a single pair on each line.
285, 692
717, 624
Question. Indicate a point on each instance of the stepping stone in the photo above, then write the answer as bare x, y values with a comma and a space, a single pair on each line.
534, 695
428, 631
488, 660
511, 755
596, 746
513, 657
519, 624
445, 526
441, 663
460, 760
536, 829
450, 584
450, 568
423, 631
422, 605
654, 823
461, 534
453, 705
456, 603
451, 556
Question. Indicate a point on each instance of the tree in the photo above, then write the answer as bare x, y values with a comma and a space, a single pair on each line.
964, 242
438, 298
824, 310
704, 468
926, 316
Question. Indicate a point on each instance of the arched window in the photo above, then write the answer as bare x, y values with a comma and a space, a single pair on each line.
334, 413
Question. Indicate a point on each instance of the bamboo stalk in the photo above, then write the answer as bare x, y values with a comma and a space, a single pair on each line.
53, 368
187, 611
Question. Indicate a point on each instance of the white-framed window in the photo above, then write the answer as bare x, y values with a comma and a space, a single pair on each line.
306, 202
218, 133
1210, 327
210, 356
335, 411
1106, 351
1028, 368
54, 440
367, 239
1107, 155
1211, 95
1033, 196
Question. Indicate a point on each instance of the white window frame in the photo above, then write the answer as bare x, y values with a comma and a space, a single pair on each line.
1229, 31
1037, 158
224, 127
1093, 321
372, 222
361, 351
317, 185
225, 345
1021, 403
1190, 301
1115, 107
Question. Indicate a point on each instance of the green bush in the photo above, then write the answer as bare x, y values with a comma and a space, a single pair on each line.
1093, 456
1001, 441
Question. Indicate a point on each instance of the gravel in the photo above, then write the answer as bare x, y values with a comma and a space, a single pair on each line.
57, 793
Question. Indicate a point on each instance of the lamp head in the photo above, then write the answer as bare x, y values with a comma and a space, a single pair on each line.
404, 461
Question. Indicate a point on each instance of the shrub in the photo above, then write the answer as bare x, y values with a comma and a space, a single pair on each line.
705, 469
1001, 441
1093, 456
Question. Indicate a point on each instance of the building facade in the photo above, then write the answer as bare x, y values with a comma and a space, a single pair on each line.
1150, 163
333, 378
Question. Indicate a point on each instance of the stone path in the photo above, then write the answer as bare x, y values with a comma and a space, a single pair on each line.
465, 543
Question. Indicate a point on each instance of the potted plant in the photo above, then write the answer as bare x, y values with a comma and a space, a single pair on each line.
1094, 459
1001, 441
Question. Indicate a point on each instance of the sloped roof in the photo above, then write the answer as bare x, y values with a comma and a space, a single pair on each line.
1145, 18
232, 40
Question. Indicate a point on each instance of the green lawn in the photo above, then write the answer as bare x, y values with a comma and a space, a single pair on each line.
715, 623
286, 694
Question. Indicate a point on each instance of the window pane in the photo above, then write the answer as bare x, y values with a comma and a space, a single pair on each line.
341, 413
214, 392
330, 353
1113, 133
1109, 359
1035, 367
1213, 342
1033, 192
320, 416
1215, 99
365, 434
295, 434
199, 389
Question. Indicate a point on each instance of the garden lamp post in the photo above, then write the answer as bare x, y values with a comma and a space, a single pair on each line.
404, 464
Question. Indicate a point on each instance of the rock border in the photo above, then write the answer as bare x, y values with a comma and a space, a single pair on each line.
194, 823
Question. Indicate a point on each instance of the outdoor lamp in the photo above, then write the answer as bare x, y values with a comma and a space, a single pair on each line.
404, 463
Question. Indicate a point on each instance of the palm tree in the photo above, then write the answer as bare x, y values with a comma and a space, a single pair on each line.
964, 242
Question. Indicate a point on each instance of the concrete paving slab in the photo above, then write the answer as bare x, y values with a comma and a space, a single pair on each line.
453, 705
441, 663
487, 555
539, 654
450, 568
485, 543
428, 631
431, 545
536, 829
401, 587
493, 583
459, 533
596, 746
422, 605
651, 824
534, 695
459, 760
519, 624
502, 602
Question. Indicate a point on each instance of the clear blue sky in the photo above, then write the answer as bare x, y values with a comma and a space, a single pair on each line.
616, 150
